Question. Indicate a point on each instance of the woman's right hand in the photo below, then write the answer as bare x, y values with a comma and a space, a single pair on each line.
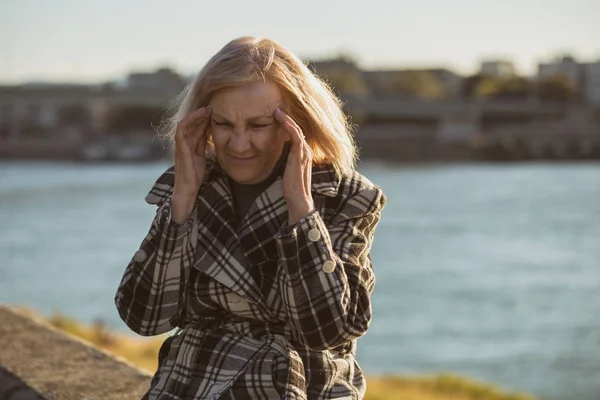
190, 162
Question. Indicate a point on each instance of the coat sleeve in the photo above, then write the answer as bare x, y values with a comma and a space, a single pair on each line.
326, 276
151, 295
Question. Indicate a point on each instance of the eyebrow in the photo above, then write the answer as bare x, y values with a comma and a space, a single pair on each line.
249, 119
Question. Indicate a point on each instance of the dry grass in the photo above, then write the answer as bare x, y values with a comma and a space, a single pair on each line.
143, 352
442, 387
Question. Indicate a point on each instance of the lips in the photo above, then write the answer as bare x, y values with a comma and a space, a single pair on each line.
242, 159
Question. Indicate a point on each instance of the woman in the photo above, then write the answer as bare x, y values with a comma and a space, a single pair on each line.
259, 251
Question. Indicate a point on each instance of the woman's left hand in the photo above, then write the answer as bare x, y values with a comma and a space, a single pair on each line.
298, 171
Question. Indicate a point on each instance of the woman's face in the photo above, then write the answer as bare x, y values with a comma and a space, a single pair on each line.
248, 140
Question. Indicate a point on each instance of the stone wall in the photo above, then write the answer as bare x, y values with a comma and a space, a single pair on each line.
38, 362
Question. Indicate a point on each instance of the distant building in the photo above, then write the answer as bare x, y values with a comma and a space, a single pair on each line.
323, 65
585, 77
163, 79
433, 82
39, 110
381, 82
497, 68
591, 82
49, 111
566, 66
451, 80
343, 73
349, 79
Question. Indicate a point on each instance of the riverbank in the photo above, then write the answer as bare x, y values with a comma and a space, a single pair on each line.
142, 352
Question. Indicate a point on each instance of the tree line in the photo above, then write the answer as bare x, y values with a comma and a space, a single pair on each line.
346, 78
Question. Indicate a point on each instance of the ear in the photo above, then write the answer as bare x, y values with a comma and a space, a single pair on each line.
210, 144
210, 148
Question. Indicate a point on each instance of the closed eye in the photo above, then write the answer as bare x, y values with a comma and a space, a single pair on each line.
229, 124
222, 123
259, 126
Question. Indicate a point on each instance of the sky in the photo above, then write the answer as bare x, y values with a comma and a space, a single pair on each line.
87, 41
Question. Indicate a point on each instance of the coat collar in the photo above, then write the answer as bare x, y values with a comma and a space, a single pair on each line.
232, 251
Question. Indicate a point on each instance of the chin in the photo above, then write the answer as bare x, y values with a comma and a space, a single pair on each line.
243, 176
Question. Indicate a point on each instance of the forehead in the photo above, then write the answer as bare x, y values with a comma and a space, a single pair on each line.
250, 100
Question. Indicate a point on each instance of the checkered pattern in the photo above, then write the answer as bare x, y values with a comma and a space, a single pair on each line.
258, 316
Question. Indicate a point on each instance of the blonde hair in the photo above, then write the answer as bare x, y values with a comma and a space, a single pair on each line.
309, 100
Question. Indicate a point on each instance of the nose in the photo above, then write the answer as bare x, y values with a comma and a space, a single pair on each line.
239, 142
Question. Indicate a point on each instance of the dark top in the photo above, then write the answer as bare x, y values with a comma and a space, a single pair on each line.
244, 195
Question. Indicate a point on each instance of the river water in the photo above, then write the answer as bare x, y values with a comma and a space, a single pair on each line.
486, 270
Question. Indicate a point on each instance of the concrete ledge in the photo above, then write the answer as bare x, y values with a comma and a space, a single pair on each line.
59, 366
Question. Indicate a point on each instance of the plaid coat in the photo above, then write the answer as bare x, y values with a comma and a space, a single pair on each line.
264, 310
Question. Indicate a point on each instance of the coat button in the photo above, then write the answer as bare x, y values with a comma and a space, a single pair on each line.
314, 235
328, 266
140, 256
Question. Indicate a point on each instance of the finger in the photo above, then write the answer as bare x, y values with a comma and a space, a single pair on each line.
198, 136
184, 124
200, 148
180, 137
191, 120
290, 127
176, 160
195, 129
182, 143
181, 129
296, 138
308, 172
199, 114
182, 148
